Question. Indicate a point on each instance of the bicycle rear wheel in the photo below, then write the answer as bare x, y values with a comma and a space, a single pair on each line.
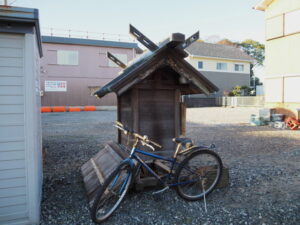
198, 174
112, 193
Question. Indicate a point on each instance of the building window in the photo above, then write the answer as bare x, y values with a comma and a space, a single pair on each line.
238, 67
221, 66
93, 89
67, 57
200, 65
122, 57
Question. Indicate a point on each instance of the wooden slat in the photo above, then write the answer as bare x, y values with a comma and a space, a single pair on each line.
125, 114
123, 153
183, 119
119, 116
146, 182
135, 108
177, 113
98, 172
99, 167
162, 166
156, 119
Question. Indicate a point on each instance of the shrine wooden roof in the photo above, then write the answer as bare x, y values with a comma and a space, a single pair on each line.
169, 53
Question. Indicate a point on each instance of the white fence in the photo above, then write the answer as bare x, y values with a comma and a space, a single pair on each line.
237, 101
241, 101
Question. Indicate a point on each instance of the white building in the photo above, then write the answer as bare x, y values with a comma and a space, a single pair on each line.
225, 66
282, 78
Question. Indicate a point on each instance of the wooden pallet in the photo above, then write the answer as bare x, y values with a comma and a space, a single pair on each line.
145, 181
99, 167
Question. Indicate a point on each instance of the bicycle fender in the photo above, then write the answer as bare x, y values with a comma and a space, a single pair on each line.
195, 149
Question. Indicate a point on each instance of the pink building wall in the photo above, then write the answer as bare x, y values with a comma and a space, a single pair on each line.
92, 70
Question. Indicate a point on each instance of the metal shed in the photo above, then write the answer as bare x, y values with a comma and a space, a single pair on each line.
20, 127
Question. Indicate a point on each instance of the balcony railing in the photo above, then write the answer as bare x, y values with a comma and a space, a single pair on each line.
48, 31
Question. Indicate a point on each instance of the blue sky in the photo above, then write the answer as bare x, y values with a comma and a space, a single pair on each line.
232, 19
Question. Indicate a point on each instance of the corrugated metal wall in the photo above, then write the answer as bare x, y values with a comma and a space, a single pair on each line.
13, 197
20, 130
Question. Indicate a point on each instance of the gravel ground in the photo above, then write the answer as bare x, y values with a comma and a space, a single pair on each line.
264, 171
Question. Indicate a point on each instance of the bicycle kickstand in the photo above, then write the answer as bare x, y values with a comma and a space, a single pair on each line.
160, 191
204, 197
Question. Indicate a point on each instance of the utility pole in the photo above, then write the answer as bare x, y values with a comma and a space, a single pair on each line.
5, 2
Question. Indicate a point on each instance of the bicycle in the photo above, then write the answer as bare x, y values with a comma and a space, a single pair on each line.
194, 177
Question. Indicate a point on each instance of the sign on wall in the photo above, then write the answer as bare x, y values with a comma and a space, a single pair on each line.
54, 85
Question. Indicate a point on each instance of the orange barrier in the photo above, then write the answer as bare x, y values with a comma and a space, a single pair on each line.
90, 108
45, 109
74, 109
59, 109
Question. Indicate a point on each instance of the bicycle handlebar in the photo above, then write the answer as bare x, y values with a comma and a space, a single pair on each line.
144, 139
148, 145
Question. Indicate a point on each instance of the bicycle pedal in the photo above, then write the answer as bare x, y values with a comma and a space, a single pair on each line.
160, 191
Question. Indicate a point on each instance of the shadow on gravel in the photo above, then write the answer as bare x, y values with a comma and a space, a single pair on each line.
264, 175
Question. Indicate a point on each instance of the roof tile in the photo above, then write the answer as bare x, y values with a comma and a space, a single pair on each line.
217, 51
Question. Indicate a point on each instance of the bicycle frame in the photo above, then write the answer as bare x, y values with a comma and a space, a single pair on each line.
136, 157
174, 176
173, 162
133, 156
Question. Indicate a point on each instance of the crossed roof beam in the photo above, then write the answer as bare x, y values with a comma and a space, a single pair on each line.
144, 40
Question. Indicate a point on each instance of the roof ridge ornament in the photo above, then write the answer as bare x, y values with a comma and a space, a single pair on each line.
191, 40
116, 60
142, 38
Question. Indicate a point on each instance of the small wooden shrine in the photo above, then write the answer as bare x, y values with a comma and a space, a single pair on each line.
149, 92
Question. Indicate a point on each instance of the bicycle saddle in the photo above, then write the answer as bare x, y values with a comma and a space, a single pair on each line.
183, 141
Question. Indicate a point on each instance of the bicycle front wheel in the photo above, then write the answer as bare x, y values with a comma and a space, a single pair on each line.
112, 193
198, 174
